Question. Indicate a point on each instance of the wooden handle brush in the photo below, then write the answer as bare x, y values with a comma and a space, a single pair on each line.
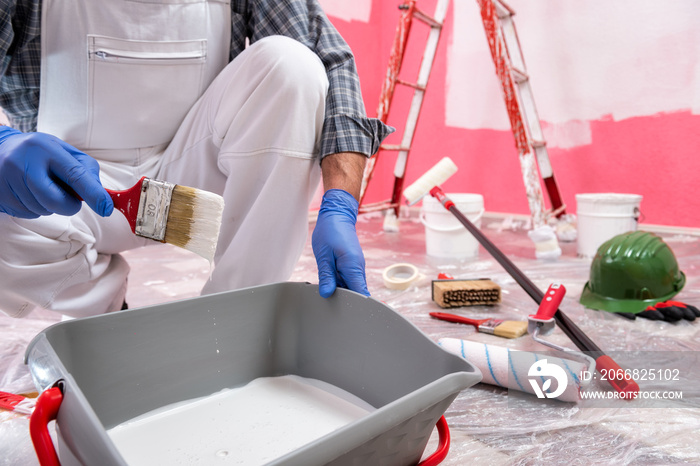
185, 217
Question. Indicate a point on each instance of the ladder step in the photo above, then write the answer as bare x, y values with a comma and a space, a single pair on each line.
415, 86
377, 206
429, 20
394, 147
519, 75
503, 10
536, 144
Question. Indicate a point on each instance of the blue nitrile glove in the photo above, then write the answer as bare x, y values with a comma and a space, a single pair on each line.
336, 247
36, 168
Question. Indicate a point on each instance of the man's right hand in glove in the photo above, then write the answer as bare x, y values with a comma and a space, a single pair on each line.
38, 172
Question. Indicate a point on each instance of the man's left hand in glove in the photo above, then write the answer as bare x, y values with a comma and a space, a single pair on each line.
339, 256
337, 249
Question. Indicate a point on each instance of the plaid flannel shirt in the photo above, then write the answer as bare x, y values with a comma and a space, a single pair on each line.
346, 127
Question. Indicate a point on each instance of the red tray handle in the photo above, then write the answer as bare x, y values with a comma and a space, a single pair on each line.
49, 402
443, 445
46, 410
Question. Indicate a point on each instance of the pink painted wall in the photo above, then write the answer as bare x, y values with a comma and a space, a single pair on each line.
617, 90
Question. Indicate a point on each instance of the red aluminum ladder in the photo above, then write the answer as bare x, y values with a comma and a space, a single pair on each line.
504, 45
507, 56
409, 11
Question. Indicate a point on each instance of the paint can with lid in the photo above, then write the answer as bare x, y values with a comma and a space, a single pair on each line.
602, 216
445, 236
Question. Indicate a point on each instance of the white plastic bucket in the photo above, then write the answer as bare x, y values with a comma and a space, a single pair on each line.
445, 236
602, 216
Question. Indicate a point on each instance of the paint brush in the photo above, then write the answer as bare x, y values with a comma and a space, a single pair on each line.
17, 403
498, 327
185, 217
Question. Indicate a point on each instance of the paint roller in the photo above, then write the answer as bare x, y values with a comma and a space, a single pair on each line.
430, 183
512, 369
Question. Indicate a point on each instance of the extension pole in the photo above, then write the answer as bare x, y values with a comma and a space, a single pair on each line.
577, 336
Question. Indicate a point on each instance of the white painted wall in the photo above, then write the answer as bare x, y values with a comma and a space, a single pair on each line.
355, 10
616, 84
588, 60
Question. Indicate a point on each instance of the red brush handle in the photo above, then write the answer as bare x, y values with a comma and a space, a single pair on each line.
46, 410
9, 400
457, 319
550, 302
17, 403
127, 202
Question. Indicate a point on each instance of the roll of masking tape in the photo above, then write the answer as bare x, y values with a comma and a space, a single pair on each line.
400, 276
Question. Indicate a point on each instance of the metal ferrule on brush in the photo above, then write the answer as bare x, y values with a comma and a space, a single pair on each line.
153, 209
490, 326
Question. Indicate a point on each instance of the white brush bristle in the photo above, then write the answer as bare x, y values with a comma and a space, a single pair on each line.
204, 236
437, 175
194, 220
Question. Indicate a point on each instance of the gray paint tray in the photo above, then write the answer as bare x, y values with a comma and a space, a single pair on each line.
117, 366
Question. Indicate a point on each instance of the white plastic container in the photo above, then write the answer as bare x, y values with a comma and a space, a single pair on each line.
602, 216
445, 236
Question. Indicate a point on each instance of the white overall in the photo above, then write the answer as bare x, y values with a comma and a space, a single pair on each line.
144, 87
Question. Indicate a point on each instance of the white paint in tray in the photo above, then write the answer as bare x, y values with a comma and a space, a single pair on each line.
253, 424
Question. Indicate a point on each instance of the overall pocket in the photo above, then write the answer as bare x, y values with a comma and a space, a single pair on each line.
140, 91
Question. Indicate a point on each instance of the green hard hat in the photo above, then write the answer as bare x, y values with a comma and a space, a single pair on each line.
630, 272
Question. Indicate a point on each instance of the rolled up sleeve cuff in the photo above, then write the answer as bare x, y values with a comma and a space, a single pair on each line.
348, 133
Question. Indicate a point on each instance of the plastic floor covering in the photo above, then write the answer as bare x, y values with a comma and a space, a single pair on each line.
489, 425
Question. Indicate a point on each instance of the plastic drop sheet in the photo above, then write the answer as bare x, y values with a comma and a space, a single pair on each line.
488, 425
